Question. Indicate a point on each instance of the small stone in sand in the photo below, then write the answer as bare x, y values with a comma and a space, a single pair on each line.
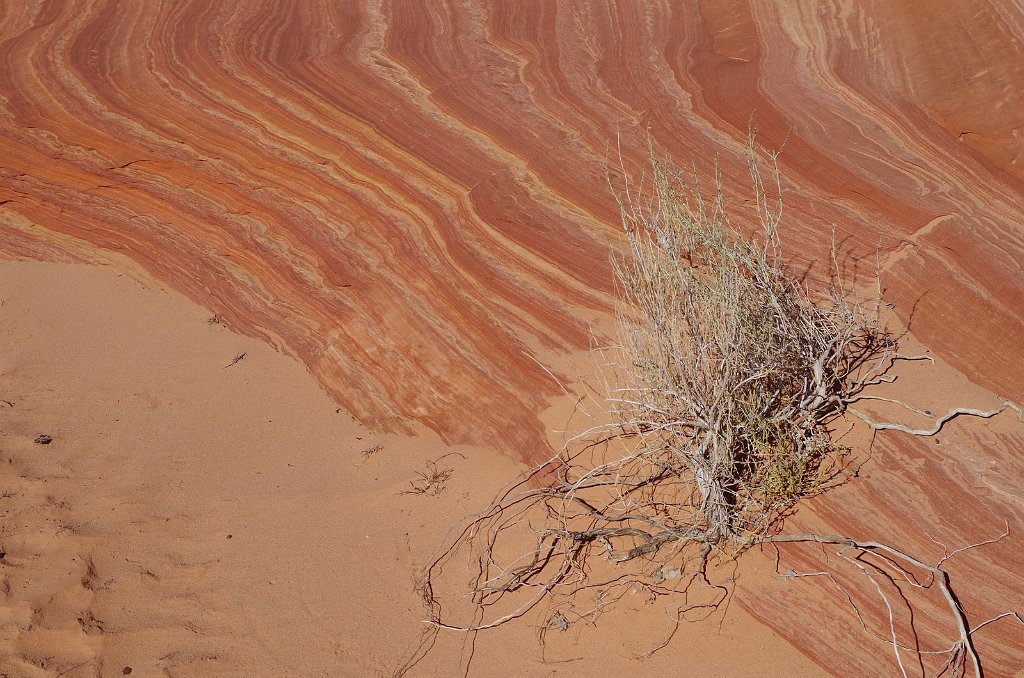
43, 439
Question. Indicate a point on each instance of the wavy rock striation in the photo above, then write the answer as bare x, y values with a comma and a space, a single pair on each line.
421, 187
410, 197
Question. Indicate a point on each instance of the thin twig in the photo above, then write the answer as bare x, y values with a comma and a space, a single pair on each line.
941, 421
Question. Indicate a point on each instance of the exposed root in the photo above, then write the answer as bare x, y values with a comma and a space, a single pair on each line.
729, 383
941, 421
962, 648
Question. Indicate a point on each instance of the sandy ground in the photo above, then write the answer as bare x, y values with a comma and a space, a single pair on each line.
196, 515
421, 222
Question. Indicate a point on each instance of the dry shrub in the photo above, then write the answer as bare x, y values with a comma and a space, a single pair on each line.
730, 375
735, 369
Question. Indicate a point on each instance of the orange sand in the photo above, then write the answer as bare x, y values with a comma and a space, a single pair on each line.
408, 200
193, 519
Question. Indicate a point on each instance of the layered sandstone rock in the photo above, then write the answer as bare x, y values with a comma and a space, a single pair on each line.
411, 199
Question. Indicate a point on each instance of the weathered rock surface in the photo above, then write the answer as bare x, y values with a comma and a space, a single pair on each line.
410, 197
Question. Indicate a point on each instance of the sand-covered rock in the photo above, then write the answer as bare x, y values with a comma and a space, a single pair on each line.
411, 200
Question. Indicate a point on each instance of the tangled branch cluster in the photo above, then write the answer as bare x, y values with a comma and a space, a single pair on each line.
733, 375
736, 369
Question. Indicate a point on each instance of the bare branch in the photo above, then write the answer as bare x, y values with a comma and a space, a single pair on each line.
719, 406
941, 421
965, 644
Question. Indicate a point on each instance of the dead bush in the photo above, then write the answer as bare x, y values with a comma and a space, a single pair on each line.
729, 379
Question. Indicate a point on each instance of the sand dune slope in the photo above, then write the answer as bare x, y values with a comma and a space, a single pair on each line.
409, 198
191, 519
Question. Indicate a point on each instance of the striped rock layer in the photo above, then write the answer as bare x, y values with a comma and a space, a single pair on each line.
410, 197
